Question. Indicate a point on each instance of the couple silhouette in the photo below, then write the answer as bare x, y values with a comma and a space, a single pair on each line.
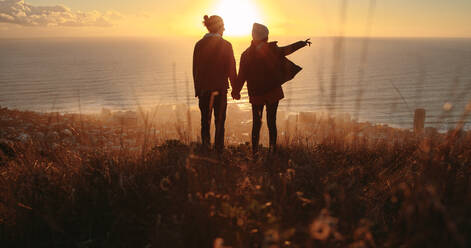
263, 66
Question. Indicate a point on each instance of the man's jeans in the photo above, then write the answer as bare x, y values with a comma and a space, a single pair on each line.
219, 106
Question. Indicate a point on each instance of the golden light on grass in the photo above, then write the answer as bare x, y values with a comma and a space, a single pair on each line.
238, 15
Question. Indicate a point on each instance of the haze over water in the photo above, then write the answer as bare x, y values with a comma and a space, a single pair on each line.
400, 75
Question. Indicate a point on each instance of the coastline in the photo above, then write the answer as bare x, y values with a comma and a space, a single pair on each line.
117, 130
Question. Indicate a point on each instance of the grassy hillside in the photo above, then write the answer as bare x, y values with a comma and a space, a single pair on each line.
75, 181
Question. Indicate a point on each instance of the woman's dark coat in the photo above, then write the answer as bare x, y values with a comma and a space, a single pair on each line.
265, 68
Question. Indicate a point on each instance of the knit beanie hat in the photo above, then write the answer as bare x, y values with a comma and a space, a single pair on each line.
213, 23
259, 31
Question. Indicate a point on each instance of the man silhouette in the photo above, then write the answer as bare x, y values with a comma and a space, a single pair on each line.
213, 65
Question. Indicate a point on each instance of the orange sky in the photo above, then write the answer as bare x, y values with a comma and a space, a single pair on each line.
392, 18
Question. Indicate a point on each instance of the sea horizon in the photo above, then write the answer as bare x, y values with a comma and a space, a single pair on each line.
399, 75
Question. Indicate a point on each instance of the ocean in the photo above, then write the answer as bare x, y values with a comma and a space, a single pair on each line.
379, 80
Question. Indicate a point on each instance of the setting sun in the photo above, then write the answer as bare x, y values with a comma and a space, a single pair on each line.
238, 16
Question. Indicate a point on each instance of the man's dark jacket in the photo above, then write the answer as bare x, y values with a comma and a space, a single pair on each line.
213, 64
265, 67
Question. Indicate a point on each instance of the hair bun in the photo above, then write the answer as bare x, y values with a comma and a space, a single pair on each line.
206, 18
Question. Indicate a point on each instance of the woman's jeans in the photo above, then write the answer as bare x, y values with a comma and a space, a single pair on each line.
257, 112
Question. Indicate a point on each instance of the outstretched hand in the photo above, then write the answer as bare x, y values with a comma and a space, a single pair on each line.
308, 42
235, 95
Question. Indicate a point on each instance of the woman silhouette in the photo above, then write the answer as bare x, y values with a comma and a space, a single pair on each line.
264, 66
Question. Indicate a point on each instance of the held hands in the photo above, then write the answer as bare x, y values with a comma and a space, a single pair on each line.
235, 95
308, 42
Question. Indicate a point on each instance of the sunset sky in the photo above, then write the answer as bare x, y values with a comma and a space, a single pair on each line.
392, 18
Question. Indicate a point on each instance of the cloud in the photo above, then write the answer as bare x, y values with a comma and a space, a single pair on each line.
21, 13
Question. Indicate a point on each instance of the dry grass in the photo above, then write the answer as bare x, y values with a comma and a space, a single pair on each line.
380, 187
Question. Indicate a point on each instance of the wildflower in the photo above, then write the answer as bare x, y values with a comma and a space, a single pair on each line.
218, 243
240, 222
246, 183
447, 106
319, 229
165, 184
209, 194
323, 226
